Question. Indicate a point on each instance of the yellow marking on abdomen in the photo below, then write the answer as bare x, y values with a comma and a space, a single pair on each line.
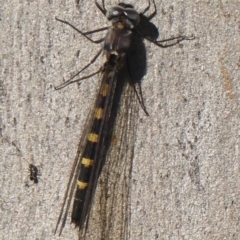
99, 113
111, 74
82, 185
104, 90
78, 199
93, 137
87, 162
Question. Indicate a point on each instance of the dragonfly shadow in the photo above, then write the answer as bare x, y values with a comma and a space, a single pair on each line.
133, 72
137, 58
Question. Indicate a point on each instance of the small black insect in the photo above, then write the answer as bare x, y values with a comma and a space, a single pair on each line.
34, 173
33, 170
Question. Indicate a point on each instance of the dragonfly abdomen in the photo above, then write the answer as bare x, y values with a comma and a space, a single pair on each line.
91, 152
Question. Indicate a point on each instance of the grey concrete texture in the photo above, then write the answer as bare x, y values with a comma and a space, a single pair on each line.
186, 170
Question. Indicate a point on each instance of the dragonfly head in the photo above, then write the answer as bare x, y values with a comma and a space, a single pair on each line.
123, 13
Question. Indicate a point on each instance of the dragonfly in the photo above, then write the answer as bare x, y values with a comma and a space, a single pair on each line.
100, 180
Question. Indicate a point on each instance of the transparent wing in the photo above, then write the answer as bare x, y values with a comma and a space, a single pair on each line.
110, 213
71, 186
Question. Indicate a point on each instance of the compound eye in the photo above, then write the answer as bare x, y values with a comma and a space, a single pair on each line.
114, 12
132, 15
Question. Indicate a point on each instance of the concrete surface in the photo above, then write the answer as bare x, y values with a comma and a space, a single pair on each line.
186, 172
